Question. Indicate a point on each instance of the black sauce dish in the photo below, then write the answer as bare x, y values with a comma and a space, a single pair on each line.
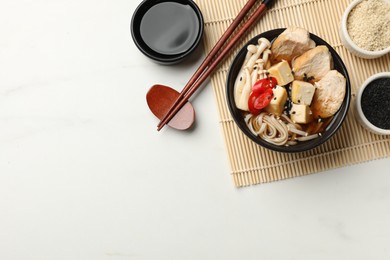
167, 31
238, 117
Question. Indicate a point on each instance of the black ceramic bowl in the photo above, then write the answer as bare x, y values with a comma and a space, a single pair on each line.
238, 117
167, 31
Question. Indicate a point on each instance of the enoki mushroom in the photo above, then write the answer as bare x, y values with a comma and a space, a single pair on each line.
277, 130
254, 68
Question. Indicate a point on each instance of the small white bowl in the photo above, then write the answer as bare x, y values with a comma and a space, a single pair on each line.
358, 106
350, 45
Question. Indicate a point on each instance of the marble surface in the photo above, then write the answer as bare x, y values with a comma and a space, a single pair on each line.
85, 175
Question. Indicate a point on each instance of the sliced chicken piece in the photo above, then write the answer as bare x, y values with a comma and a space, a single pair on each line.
329, 94
313, 64
291, 43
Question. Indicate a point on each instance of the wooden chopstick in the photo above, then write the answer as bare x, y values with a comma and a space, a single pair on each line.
215, 57
241, 15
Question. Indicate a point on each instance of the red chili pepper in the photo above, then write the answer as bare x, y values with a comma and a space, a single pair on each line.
261, 95
269, 82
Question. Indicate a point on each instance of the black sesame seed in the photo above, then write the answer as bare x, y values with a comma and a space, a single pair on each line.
376, 102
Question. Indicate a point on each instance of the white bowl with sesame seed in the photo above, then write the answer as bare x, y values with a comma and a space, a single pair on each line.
371, 113
364, 28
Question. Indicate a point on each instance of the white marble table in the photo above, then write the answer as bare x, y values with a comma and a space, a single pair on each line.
85, 175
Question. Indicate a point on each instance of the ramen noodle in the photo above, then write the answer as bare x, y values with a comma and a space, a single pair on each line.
293, 111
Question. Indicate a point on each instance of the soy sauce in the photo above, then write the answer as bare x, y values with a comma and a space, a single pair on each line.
170, 28
375, 103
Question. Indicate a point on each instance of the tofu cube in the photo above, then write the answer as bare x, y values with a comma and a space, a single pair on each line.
276, 106
300, 114
302, 92
282, 72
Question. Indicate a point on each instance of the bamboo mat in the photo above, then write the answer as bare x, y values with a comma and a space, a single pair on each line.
252, 164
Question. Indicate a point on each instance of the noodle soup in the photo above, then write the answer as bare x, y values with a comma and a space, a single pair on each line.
289, 122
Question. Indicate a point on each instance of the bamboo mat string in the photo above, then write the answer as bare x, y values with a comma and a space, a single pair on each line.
251, 164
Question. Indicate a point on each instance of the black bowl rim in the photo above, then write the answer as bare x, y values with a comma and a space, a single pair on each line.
158, 57
302, 146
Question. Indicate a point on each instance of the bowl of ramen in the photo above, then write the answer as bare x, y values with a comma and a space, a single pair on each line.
288, 90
